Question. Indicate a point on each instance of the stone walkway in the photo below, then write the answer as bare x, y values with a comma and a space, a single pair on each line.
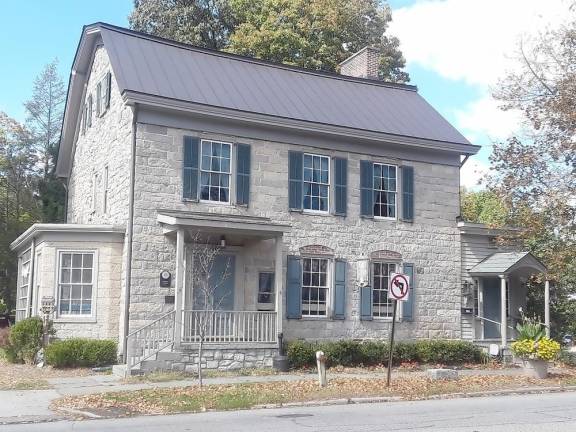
20, 406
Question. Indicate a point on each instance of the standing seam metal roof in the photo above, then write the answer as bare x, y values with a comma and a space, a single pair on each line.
158, 67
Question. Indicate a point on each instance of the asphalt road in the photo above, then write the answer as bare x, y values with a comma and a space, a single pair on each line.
528, 413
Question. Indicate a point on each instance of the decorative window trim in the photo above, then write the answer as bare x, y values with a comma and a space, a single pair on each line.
313, 251
320, 183
95, 266
385, 255
230, 173
396, 191
329, 287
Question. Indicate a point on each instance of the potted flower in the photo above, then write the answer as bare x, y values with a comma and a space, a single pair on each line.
534, 348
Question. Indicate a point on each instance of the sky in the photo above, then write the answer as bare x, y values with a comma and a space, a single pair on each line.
456, 50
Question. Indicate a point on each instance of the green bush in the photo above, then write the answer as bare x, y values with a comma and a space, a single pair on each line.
301, 354
80, 353
25, 340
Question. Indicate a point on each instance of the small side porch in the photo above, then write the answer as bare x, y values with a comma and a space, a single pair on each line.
240, 322
500, 293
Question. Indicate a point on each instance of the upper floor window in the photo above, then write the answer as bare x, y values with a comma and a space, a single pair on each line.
382, 306
105, 190
215, 171
316, 182
75, 283
315, 286
89, 111
385, 185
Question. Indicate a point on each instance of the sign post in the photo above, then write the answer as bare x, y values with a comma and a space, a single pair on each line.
398, 290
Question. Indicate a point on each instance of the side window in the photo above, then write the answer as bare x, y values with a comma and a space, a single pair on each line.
215, 170
382, 306
23, 286
75, 283
93, 198
89, 111
266, 297
83, 121
385, 189
105, 190
315, 286
98, 99
316, 182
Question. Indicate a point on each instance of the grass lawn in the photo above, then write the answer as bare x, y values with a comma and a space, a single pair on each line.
243, 396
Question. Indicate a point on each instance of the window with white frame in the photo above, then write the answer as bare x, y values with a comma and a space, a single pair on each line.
316, 182
385, 189
315, 286
75, 283
382, 305
265, 290
23, 286
215, 171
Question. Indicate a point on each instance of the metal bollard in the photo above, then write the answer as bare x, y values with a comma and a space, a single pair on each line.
321, 365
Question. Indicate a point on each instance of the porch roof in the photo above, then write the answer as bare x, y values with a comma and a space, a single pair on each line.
221, 223
502, 263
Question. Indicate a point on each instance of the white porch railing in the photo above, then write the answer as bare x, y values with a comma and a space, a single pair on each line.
229, 326
150, 339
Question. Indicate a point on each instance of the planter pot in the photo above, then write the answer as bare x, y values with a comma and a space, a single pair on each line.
535, 368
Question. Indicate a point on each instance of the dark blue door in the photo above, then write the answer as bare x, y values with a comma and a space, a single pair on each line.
222, 281
491, 307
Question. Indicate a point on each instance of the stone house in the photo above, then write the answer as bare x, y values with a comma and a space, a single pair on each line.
315, 186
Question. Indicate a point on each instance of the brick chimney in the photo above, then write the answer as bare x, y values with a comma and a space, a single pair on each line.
363, 64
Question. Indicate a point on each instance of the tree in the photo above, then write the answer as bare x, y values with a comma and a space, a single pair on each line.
484, 207
18, 206
314, 34
205, 23
536, 173
205, 284
45, 113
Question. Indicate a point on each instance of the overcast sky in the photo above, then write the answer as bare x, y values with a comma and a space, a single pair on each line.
456, 51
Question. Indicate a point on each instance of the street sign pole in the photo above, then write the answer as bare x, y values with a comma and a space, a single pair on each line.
391, 353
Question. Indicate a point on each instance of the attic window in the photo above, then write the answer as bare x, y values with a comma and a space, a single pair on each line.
103, 95
89, 111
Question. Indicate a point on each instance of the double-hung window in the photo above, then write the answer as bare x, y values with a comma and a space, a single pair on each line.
265, 290
315, 285
316, 182
23, 286
385, 190
382, 305
215, 171
75, 283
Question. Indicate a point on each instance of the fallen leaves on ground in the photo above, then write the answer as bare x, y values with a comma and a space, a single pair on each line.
239, 396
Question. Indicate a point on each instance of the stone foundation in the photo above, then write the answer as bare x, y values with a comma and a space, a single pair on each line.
213, 358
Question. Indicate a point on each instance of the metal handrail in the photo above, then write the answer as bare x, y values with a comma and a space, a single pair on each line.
147, 341
495, 322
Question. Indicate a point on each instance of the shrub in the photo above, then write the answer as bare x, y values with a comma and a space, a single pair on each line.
25, 340
80, 353
3, 307
544, 349
353, 353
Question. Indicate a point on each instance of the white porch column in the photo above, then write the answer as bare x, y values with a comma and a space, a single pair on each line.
278, 279
179, 286
503, 318
480, 306
547, 307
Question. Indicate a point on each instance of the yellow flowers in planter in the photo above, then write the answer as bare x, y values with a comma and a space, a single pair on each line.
544, 349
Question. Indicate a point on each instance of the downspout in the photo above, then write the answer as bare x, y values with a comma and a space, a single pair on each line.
130, 232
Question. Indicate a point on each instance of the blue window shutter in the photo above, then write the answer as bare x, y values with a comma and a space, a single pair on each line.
366, 303
294, 288
366, 189
407, 193
242, 174
190, 168
295, 160
340, 186
339, 289
408, 305
108, 87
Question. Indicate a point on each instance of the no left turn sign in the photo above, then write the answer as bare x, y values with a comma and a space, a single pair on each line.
399, 286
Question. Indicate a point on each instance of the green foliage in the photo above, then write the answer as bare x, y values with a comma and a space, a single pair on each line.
302, 354
567, 357
530, 328
81, 353
483, 207
314, 34
3, 307
26, 339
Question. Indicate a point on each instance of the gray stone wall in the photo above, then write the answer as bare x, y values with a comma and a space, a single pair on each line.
106, 143
431, 242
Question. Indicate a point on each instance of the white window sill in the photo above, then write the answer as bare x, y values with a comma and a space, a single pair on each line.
316, 212
381, 218
72, 319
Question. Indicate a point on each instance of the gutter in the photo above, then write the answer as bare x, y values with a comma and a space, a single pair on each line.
130, 236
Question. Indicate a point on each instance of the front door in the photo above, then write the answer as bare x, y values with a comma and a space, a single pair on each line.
492, 309
221, 282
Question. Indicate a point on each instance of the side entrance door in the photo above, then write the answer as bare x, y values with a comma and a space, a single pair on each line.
222, 281
491, 307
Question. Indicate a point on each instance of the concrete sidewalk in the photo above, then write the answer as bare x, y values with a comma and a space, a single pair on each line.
22, 406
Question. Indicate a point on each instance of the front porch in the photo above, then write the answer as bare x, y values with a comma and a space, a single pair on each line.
501, 292
243, 315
